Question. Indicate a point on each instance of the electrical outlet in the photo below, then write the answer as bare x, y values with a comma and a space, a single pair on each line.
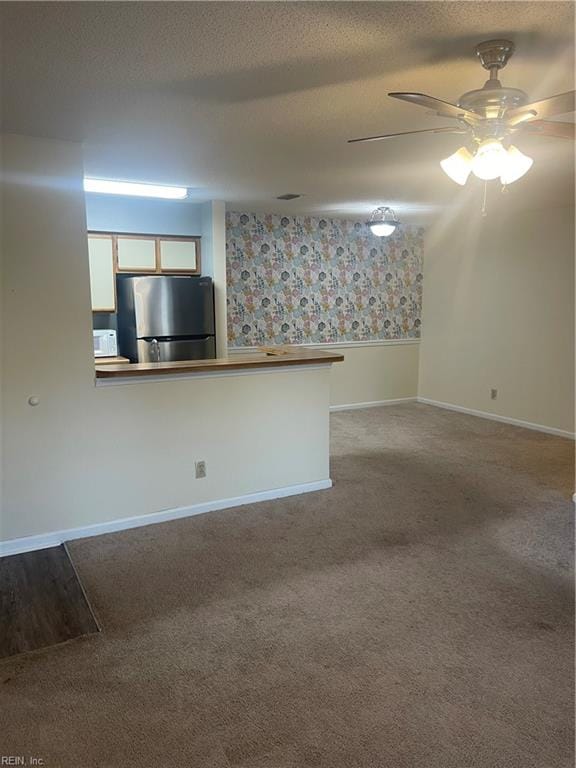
493, 394
200, 469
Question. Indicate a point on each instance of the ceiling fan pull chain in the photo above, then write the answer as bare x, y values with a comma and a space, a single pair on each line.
484, 211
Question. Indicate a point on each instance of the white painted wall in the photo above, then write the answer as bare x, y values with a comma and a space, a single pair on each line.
374, 373
214, 236
90, 454
498, 312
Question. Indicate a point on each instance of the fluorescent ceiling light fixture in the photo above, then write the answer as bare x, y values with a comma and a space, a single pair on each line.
111, 187
382, 222
517, 164
458, 166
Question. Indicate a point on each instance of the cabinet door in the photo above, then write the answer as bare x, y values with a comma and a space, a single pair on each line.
136, 254
179, 255
102, 284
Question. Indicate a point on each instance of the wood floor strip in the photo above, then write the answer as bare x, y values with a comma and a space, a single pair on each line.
42, 602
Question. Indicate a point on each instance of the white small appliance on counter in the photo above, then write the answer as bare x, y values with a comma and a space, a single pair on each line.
105, 344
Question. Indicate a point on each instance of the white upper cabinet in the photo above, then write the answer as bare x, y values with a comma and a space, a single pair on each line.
102, 281
179, 255
110, 253
136, 254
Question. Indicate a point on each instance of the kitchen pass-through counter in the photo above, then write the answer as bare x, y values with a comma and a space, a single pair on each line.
265, 357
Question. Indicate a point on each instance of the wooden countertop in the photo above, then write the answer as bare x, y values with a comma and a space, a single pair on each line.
276, 356
110, 360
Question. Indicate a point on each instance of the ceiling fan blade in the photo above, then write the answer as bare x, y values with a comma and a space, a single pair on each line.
443, 108
448, 129
550, 128
553, 105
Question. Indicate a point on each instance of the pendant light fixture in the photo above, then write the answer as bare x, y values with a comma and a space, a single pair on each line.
382, 222
491, 160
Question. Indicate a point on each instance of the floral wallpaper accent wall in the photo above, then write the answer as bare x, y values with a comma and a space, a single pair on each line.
298, 280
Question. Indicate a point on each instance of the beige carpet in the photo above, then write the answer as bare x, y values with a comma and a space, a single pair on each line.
418, 615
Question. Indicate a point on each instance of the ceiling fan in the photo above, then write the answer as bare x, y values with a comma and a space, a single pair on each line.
490, 117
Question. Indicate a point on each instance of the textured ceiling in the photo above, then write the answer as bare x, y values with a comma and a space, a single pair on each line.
247, 101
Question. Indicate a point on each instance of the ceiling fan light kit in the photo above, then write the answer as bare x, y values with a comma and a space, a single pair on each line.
490, 116
491, 161
517, 164
458, 166
382, 222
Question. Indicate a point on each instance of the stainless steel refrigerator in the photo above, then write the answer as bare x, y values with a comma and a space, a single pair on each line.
162, 318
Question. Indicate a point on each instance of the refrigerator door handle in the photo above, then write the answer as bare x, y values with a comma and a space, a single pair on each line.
158, 349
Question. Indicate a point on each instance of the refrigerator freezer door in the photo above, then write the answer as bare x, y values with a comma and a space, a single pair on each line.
168, 350
169, 305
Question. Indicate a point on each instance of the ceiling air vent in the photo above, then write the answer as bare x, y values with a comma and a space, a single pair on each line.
288, 196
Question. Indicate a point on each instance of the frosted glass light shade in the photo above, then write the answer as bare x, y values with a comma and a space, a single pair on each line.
490, 160
517, 164
458, 166
382, 222
382, 230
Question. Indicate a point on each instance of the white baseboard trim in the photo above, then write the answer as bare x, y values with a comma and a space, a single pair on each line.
496, 417
372, 404
55, 538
